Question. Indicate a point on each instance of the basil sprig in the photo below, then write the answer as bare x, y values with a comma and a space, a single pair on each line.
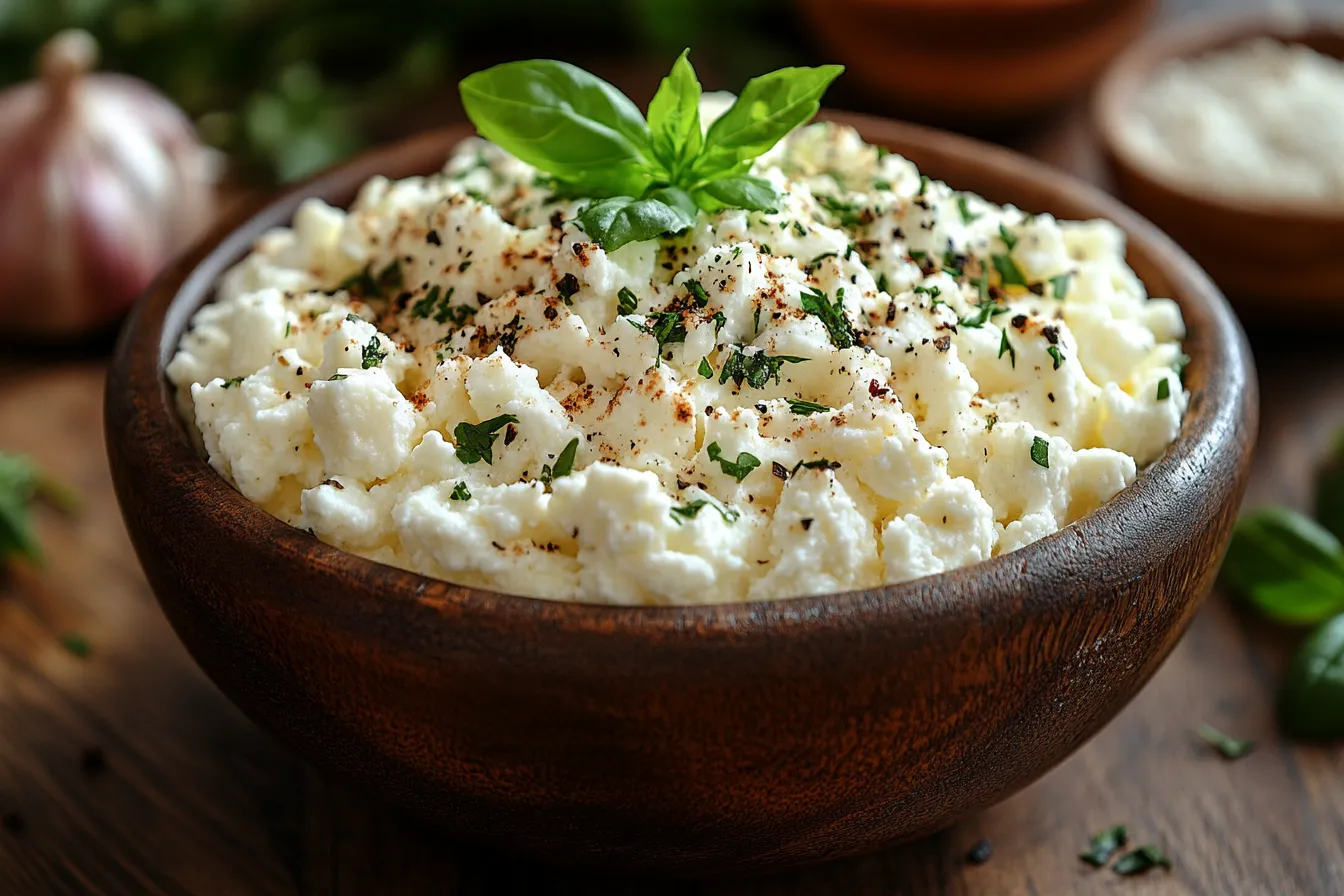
1288, 566
647, 177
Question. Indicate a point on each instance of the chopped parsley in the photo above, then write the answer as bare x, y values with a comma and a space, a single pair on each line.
425, 306
462, 268
1230, 747
1007, 236
951, 264
847, 213
818, 464
1040, 452
806, 408
626, 301
963, 206
737, 250
719, 322
756, 370
665, 326
232, 381
476, 441
461, 492
1105, 844
373, 353
1006, 346
919, 257
756, 321
567, 287
882, 284
564, 464
799, 229
1008, 270
689, 511
288, 326
1059, 286
366, 285
1163, 389
983, 313
816, 262
933, 292
337, 377
737, 469
705, 369
1054, 352
832, 316
923, 184
698, 293
884, 185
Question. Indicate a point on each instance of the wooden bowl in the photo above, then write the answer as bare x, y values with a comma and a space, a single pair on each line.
974, 64
687, 739
1264, 255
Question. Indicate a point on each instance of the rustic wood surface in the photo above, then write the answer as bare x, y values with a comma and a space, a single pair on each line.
126, 772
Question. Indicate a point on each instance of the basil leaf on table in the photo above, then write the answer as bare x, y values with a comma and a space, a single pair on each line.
1288, 566
768, 108
674, 118
755, 194
622, 219
1311, 701
563, 120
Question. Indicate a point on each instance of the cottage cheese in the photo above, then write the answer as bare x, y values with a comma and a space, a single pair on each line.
1264, 120
941, 437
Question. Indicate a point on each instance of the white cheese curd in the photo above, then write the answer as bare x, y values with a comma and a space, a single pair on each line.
1262, 119
885, 380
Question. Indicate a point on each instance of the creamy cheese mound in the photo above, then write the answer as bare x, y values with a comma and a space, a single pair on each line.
1262, 119
769, 405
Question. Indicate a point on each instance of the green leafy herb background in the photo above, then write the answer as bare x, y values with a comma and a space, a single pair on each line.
287, 87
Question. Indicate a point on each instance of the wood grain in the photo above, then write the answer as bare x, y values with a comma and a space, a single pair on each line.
198, 800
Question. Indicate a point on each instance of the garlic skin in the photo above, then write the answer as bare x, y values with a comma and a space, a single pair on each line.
102, 182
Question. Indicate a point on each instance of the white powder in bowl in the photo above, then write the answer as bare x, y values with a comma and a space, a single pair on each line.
1261, 120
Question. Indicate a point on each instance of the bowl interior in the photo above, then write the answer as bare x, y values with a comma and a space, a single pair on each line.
1217, 377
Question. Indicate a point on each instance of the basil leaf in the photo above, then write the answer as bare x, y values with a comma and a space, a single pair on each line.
755, 194
611, 223
1289, 567
737, 469
674, 118
1105, 844
1311, 702
564, 121
768, 108
1140, 861
476, 441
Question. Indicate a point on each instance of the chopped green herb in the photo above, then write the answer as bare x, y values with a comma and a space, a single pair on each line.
919, 257
354, 318
698, 293
689, 511
373, 354
564, 464
737, 469
462, 268
1008, 238
951, 264
1058, 356
288, 327
626, 301
719, 322
963, 206
1163, 389
567, 287
832, 316
933, 292
1040, 452
983, 312
361, 285
1059, 286
76, 645
756, 321
1006, 346
1104, 845
820, 463
756, 369
705, 369
475, 441
806, 408
664, 326
737, 250
923, 184
425, 306
1143, 859
1009, 272
1230, 747
982, 282
765, 247
883, 185
882, 284
337, 377
389, 279
461, 492
816, 262
847, 213
799, 229
232, 381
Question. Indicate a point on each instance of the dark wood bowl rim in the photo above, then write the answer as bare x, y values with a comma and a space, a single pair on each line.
1220, 377
1133, 68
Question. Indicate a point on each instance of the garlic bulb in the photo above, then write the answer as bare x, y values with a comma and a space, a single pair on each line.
102, 181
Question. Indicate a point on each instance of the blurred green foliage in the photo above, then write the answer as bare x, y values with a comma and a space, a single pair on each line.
287, 87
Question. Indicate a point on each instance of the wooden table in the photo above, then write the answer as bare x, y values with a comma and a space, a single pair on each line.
127, 773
